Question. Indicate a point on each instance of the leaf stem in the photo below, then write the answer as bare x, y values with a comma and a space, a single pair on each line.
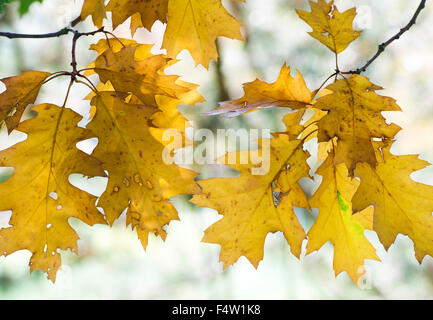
324, 82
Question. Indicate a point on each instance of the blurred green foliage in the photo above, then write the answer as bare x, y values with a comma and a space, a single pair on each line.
23, 8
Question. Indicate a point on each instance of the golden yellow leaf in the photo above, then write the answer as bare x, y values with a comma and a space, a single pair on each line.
247, 204
101, 86
114, 44
354, 116
311, 132
136, 23
96, 9
286, 91
149, 11
401, 205
191, 24
330, 27
138, 178
103, 45
336, 223
136, 70
39, 193
169, 118
20, 91
194, 25
291, 121
311, 127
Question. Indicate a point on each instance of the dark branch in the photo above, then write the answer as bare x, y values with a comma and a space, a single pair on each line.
59, 33
77, 36
35, 36
383, 45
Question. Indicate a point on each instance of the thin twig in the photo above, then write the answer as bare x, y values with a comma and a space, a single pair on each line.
56, 34
87, 85
89, 81
56, 75
321, 86
85, 69
77, 35
59, 33
382, 46
67, 92
115, 37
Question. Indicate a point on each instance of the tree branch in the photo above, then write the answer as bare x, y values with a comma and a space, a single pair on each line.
59, 33
383, 45
11, 35
77, 35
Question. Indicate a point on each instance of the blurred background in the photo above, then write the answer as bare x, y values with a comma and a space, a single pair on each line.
112, 263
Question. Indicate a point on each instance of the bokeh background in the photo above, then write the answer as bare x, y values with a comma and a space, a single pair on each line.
112, 263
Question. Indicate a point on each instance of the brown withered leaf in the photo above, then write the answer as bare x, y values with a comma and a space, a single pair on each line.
286, 91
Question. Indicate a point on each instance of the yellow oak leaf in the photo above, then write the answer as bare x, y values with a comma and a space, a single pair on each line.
136, 23
330, 27
138, 178
247, 203
191, 24
101, 86
311, 131
354, 116
286, 91
169, 117
39, 193
114, 44
96, 9
149, 11
103, 45
194, 25
291, 121
336, 223
401, 205
21, 91
136, 70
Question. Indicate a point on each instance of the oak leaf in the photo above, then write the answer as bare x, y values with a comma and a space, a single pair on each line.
401, 205
247, 203
354, 117
148, 11
96, 9
136, 23
191, 24
330, 27
336, 223
21, 91
138, 178
169, 116
136, 70
286, 91
194, 25
39, 193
